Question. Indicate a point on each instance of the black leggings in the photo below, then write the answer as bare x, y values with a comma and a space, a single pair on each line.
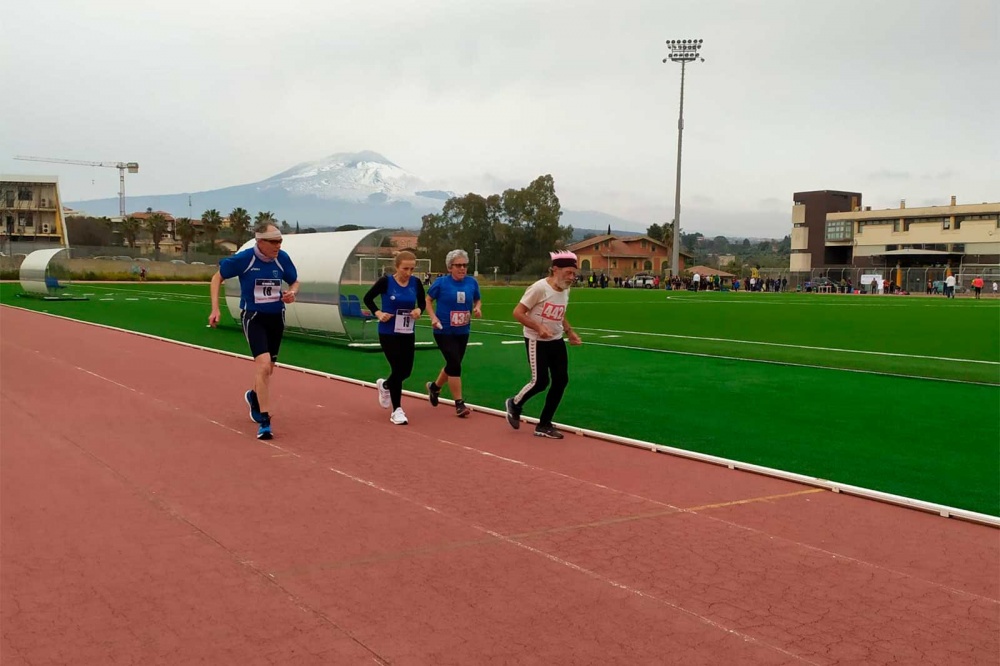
453, 349
546, 359
398, 350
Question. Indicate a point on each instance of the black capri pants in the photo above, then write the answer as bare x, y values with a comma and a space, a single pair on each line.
453, 349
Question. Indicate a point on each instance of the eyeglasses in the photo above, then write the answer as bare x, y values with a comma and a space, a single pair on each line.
460, 265
272, 242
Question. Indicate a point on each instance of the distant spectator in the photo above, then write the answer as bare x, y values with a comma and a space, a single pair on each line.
977, 286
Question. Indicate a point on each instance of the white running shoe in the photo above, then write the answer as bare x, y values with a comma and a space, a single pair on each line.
398, 417
384, 399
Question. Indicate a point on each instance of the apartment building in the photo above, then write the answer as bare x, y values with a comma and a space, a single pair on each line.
31, 211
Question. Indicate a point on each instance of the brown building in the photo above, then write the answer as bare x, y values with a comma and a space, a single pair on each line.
621, 257
809, 213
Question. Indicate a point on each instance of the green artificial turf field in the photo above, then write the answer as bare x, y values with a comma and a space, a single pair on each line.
898, 394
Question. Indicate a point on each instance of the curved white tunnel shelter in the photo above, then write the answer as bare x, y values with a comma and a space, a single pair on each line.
34, 274
331, 265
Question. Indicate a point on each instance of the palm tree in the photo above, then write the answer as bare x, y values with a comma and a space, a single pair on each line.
266, 216
239, 221
186, 232
130, 230
212, 221
156, 225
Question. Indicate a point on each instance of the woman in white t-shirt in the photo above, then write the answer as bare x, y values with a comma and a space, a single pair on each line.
542, 312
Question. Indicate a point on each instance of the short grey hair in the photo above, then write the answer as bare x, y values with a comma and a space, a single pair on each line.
453, 255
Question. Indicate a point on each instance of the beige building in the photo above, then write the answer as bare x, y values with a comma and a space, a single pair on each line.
948, 235
31, 211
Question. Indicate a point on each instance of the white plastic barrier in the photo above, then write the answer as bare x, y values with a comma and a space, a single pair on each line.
34, 272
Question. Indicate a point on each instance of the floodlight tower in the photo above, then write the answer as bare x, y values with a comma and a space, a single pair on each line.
682, 51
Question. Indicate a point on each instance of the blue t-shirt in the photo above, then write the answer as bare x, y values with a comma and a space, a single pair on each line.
398, 301
260, 281
453, 301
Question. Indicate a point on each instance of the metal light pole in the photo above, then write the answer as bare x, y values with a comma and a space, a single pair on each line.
476, 274
682, 51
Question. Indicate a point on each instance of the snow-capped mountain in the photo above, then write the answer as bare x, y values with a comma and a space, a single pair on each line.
361, 188
364, 177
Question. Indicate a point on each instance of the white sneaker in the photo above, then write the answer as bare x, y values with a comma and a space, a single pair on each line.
384, 399
398, 417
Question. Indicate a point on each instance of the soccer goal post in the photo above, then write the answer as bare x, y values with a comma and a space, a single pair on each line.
372, 268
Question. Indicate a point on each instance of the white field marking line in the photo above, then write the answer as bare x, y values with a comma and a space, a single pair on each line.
765, 361
487, 410
619, 333
732, 464
125, 288
793, 365
703, 513
155, 399
780, 344
565, 563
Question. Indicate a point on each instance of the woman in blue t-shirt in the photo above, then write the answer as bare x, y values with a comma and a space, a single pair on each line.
403, 301
453, 300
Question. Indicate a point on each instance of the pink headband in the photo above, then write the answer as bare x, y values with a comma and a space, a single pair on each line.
563, 259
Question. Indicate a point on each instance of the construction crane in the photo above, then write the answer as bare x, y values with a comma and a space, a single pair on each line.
131, 167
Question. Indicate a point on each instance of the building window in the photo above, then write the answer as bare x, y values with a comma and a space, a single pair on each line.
585, 265
597, 248
24, 194
642, 244
946, 223
614, 263
839, 230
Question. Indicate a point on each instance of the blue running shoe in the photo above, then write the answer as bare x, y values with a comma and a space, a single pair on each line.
264, 431
251, 398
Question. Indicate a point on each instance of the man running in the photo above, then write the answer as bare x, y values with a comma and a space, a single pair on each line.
542, 312
261, 269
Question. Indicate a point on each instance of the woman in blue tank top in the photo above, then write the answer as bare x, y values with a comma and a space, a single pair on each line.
402, 303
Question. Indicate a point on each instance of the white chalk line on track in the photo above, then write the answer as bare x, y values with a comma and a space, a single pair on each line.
287, 452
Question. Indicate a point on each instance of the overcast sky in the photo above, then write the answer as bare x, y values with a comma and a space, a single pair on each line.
897, 99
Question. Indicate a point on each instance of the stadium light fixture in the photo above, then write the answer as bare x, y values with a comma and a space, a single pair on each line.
682, 51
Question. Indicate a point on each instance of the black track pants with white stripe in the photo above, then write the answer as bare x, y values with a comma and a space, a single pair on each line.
549, 365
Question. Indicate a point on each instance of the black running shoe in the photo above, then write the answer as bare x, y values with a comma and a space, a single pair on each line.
513, 414
251, 398
264, 431
548, 431
461, 409
433, 392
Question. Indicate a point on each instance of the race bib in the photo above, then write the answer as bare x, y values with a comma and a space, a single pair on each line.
459, 317
266, 290
404, 322
553, 312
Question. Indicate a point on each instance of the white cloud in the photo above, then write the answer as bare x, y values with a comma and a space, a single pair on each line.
792, 96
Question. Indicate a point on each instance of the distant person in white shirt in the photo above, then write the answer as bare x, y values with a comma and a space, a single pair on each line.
994, 288
696, 281
949, 286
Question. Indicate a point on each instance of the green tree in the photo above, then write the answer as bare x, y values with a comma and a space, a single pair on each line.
186, 232
130, 228
211, 221
265, 216
157, 226
239, 222
89, 231
655, 232
285, 227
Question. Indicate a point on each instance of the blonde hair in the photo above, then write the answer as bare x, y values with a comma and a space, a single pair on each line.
405, 255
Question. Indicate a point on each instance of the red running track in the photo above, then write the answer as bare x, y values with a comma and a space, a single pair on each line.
142, 523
